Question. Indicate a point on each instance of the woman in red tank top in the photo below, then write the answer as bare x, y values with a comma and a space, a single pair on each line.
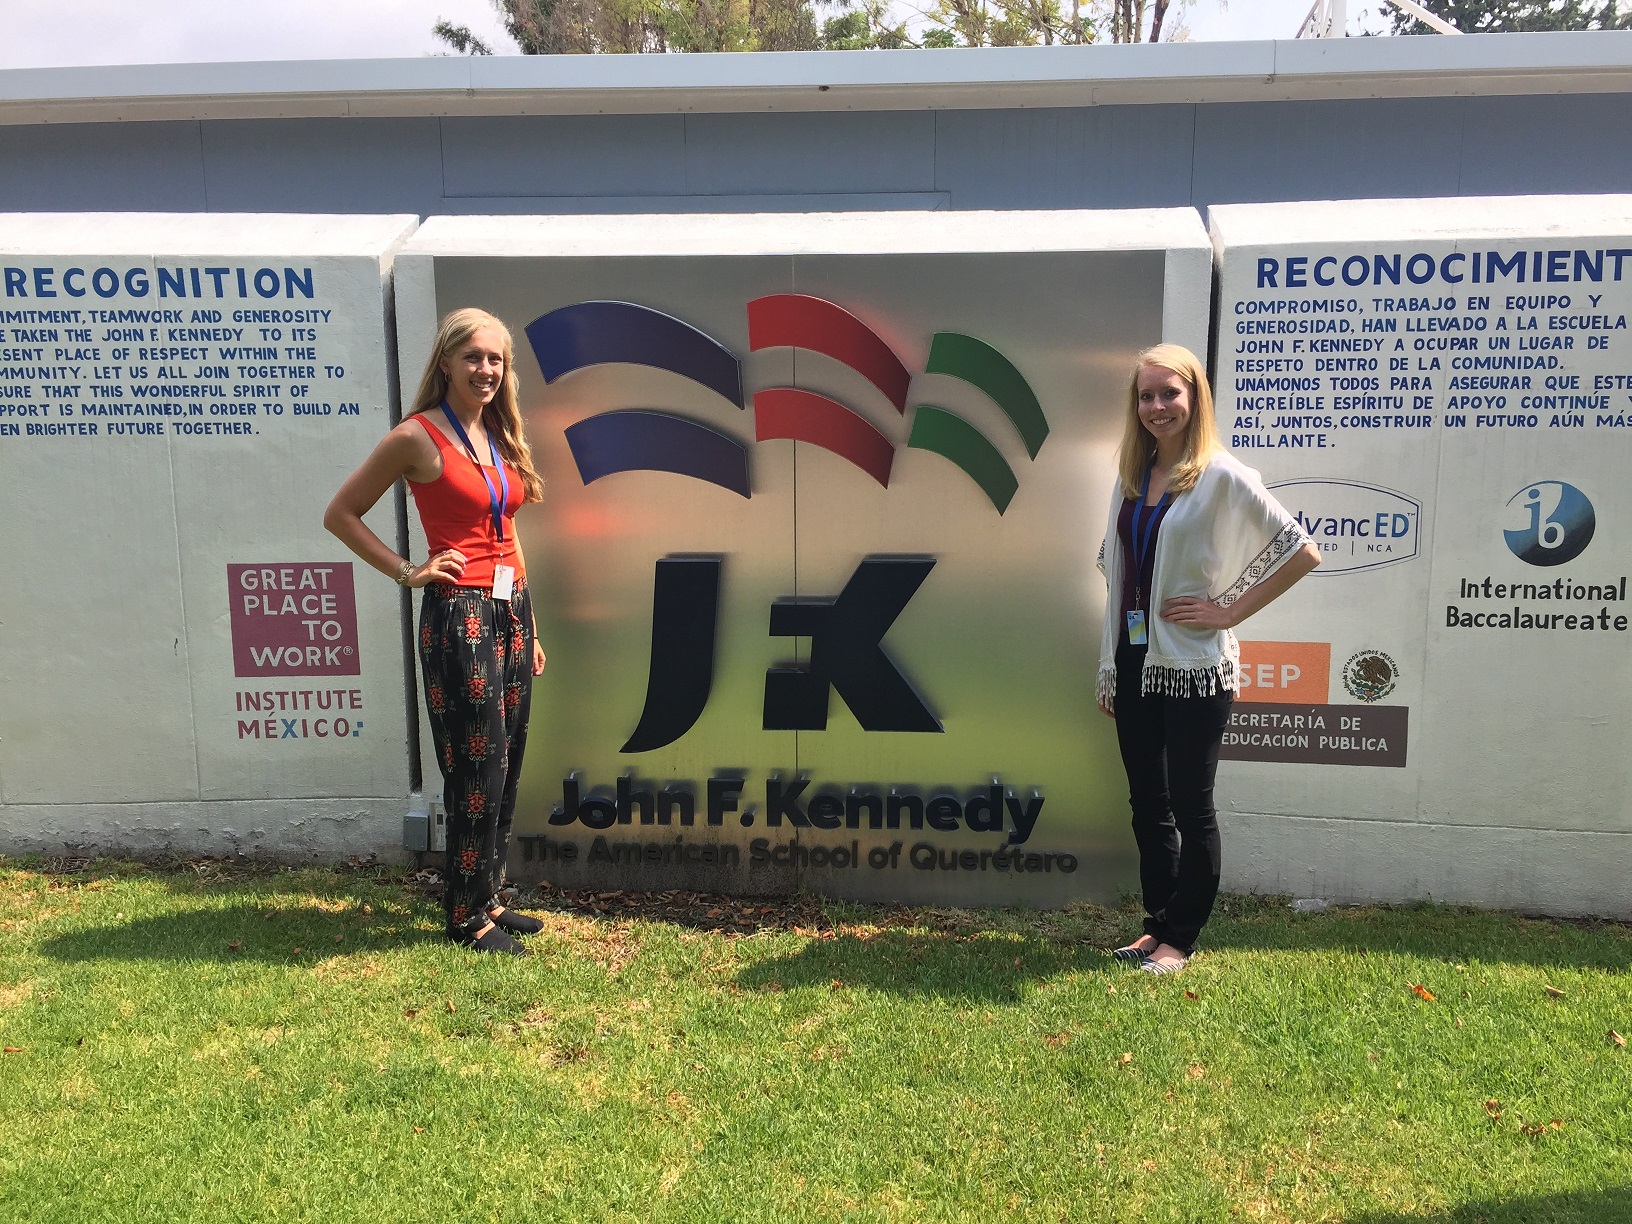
461, 449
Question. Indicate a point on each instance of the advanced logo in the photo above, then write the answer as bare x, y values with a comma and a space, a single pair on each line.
1550, 523
1356, 526
846, 631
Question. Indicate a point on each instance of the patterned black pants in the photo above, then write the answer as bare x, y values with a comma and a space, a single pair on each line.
476, 653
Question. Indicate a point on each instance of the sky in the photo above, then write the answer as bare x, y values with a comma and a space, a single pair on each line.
60, 33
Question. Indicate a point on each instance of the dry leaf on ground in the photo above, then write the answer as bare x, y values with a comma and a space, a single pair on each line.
1422, 992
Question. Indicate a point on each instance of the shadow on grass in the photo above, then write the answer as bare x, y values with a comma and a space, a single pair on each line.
992, 968
1439, 932
1568, 1207
269, 911
994, 955
275, 917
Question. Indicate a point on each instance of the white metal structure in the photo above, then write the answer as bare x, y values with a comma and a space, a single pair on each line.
1326, 19
1329, 19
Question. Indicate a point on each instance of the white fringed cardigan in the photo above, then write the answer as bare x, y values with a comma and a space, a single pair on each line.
1217, 539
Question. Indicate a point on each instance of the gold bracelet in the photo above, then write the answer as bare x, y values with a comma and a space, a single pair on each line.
405, 573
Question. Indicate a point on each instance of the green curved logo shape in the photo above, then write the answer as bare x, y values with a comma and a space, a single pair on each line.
978, 363
936, 429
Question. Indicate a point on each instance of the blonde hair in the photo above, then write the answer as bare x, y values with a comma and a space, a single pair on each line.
502, 415
1201, 442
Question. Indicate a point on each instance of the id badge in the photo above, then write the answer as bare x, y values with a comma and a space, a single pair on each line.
1136, 627
504, 584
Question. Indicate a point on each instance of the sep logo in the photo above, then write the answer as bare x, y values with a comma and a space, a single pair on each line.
1549, 523
846, 630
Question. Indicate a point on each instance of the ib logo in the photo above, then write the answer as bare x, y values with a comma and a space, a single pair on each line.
1552, 523
846, 630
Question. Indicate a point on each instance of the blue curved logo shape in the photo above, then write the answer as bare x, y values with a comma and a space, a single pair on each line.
1556, 523
601, 333
634, 440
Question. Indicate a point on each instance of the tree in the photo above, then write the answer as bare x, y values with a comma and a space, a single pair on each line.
551, 27
865, 25
1514, 16
1005, 23
556, 27
1128, 20
461, 39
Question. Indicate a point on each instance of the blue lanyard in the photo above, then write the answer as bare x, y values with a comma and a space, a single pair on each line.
500, 497
1141, 543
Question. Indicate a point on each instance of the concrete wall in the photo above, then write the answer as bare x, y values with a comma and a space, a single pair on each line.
1439, 709
1229, 125
1140, 156
1486, 767
190, 662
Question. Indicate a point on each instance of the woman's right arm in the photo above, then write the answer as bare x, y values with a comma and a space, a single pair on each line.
401, 453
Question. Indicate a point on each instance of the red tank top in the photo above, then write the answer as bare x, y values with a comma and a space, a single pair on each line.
457, 512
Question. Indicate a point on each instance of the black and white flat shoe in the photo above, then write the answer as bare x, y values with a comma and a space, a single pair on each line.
1133, 952
1162, 968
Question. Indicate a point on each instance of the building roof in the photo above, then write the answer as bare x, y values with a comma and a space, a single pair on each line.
986, 78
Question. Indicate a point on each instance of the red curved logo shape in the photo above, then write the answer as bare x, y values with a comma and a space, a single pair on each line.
804, 416
796, 320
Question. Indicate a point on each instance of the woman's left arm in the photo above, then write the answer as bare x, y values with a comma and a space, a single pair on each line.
1208, 614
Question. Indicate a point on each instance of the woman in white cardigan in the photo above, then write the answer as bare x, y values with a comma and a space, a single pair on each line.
1194, 546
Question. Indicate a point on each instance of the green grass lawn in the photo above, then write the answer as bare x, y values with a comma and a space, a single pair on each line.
208, 1044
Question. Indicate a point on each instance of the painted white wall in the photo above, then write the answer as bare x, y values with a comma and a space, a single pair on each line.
119, 727
129, 719
1517, 786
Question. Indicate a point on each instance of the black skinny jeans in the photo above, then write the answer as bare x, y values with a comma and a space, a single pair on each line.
1170, 750
476, 653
